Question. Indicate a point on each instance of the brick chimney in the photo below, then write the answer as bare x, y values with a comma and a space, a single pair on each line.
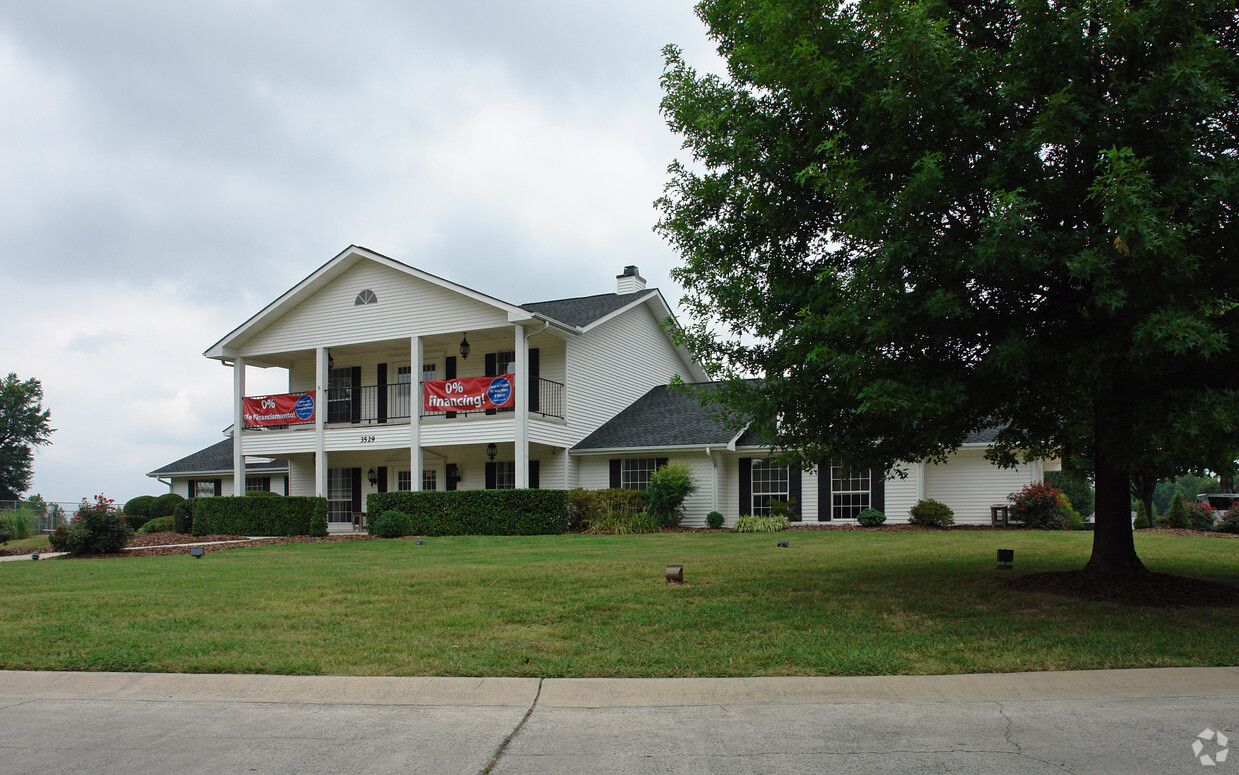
630, 281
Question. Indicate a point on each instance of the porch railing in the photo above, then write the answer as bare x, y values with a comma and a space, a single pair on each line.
377, 404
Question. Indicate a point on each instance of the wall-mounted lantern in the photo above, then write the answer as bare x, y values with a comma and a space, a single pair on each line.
464, 345
491, 451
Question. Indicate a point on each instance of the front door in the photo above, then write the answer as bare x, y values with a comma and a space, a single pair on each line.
339, 497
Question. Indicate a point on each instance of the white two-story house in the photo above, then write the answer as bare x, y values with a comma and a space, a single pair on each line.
374, 349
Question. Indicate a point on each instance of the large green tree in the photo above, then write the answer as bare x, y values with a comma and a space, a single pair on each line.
920, 219
24, 423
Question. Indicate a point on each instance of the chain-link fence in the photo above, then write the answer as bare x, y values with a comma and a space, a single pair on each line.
35, 517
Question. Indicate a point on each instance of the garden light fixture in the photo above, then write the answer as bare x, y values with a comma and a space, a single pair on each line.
675, 574
1005, 558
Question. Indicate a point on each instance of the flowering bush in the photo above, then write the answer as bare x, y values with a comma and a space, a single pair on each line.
1230, 522
99, 528
1201, 515
1042, 507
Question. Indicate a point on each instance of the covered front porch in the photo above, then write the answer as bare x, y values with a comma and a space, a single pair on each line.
351, 475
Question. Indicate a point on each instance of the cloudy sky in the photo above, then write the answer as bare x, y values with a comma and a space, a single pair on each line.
169, 168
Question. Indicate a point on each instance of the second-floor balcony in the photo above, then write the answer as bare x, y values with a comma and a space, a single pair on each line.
395, 403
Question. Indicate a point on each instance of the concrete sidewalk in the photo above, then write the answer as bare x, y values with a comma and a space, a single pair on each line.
1120, 721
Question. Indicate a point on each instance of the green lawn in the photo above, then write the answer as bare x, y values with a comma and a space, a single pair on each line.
834, 603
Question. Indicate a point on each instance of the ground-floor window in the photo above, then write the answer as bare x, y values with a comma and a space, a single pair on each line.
505, 475
849, 492
340, 495
770, 483
204, 488
404, 481
429, 480
257, 483
635, 472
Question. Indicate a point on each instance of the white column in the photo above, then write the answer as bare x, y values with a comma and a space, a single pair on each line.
415, 411
238, 454
920, 481
320, 422
520, 439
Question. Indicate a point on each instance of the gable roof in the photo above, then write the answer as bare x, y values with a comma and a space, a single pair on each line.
215, 459
583, 310
665, 416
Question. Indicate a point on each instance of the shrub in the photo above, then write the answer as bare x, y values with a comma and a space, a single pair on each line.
1041, 507
59, 538
183, 517
931, 513
1077, 488
870, 518
1202, 516
1162, 521
390, 524
714, 520
6, 531
157, 525
618, 523
164, 505
1229, 522
669, 487
1177, 516
476, 512
1142, 516
239, 515
785, 508
585, 506
99, 528
139, 506
747, 523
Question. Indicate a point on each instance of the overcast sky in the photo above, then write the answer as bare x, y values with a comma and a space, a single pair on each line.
170, 168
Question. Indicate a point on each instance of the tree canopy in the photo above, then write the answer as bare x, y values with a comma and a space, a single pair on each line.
23, 424
920, 219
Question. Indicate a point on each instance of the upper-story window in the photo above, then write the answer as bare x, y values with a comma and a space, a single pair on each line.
365, 297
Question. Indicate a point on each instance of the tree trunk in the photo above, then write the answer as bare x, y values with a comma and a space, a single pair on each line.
1114, 548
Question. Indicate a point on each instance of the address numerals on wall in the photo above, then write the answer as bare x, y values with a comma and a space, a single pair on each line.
367, 439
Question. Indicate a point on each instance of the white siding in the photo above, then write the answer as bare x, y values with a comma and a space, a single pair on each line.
970, 484
901, 494
406, 305
613, 365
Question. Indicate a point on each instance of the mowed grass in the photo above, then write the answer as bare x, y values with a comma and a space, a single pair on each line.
834, 603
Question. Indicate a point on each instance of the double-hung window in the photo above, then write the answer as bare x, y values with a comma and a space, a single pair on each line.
635, 472
849, 492
770, 483
505, 475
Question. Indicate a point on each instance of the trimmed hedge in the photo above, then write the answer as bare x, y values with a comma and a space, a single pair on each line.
477, 512
239, 515
390, 524
164, 505
157, 525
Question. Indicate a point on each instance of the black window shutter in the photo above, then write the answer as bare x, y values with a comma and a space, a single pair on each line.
659, 462
193, 488
219, 488
356, 474
491, 365
615, 473
450, 476
382, 391
382, 479
266, 484
823, 490
449, 372
285, 484
746, 485
533, 474
794, 490
535, 403
490, 476
877, 489
355, 381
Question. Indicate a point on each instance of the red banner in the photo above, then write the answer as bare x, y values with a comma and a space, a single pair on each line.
470, 394
284, 409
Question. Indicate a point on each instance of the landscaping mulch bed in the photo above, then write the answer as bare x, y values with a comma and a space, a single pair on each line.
1153, 590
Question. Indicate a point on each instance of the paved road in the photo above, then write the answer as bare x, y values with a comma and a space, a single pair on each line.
1120, 721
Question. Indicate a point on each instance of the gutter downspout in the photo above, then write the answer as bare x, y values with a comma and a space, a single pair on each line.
714, 488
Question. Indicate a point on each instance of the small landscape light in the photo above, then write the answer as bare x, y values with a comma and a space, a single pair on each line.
1005, 558
421, 541
784, 544
675, 574
197, 551
34, 555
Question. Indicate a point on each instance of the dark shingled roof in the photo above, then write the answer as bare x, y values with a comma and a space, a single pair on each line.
216, 458
663, 417
673, 417
584, 310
